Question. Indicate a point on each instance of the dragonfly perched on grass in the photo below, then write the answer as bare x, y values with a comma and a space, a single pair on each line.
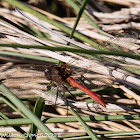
78, 62
61, 75
69, 80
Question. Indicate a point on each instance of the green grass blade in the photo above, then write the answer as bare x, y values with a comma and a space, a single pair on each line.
17, 128
78, 17
76, 8
91, 52
105, 136
38, 109
41, 58
122, 134
6, 92
12, 106
71, 119
87, 128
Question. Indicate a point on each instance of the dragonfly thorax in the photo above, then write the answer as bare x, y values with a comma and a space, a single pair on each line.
58, 73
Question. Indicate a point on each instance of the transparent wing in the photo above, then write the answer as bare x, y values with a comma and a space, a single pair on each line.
54, 33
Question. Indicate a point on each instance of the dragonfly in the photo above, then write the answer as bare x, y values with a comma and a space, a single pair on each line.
63, 76
26, 78
60, 74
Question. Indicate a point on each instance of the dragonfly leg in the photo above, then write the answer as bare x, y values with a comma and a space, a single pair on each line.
56, 95
69, 92
98, 108
65, 98
49, 85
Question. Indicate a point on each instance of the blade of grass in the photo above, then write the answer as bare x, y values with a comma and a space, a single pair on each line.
71, 119
121, 134
76, 8
34, 57
38, 109
6, 92
124, 54
78, 17
73, 135
106, 135
87, 128
17, 128
88, 18
12, 106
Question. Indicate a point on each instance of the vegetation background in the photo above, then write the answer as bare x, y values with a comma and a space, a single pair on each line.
99, 40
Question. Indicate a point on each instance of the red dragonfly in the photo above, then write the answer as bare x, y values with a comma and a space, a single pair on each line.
61, 75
